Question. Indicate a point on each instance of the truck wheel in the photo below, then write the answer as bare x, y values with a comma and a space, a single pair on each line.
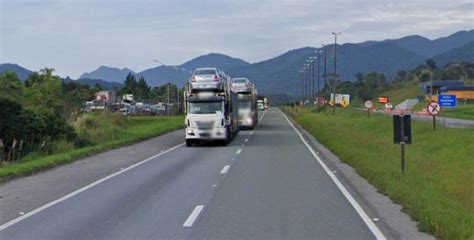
189, 142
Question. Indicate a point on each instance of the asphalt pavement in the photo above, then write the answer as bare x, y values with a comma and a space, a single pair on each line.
267, 184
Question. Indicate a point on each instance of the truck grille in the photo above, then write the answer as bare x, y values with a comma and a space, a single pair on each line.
205, 124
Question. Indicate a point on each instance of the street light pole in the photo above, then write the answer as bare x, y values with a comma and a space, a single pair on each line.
335, 73
319, 73
324, 74
168, 104
307, 82
301, 84
311, 62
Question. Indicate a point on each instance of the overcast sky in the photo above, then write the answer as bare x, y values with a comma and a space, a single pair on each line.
75, 36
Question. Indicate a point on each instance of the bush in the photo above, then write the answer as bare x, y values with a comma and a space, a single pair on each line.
33, 127
100, 126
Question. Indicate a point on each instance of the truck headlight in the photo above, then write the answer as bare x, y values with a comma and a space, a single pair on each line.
189, 131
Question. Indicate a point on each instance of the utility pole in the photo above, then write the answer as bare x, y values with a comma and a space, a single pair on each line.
177, 98
325, 56
301, 84
311, 70
306, 81
335, 73
168, 104
319, 73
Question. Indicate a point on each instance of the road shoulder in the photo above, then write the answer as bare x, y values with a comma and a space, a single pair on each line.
22, 195
387, 215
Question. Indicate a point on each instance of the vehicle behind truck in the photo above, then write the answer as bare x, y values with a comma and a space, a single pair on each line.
247, 92
260, 106
211, 112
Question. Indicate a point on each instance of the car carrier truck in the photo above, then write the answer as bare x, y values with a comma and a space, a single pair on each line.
211, 114
248, 112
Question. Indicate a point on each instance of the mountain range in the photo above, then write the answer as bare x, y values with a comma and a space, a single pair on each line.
279, 75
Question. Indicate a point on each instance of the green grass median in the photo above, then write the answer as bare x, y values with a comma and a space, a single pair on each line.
438, 187
105, 132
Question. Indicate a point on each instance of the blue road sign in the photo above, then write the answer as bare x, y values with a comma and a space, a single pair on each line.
447, 100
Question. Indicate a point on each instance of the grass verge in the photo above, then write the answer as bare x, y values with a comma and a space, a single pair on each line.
437, 189
136, 129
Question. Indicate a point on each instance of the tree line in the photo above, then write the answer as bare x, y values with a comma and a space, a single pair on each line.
39, 112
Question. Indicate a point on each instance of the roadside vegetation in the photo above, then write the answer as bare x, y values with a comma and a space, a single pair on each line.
405, 85
437, 188
41, 123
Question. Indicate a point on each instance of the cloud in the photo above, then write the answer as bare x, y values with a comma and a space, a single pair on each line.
79, 35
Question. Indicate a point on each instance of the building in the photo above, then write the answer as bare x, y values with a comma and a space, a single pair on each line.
110, 97
434, 87
462, 92
447, 87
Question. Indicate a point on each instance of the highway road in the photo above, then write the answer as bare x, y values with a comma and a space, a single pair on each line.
267, 184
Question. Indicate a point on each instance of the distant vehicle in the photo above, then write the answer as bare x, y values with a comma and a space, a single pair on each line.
208, 79
242, 85
260, 105
128, 99
389, 106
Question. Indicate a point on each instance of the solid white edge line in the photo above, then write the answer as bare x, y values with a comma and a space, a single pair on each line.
69, 195
225, 169
190, 221
373, 228
238, 151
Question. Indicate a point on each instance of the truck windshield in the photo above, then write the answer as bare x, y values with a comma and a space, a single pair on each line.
204, 107
245, 105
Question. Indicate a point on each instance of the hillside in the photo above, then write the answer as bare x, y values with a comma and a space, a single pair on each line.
180, 74
20, 71
163, 74
109, 74
402, 91
426, 47
104, 84
464, 53
221, 61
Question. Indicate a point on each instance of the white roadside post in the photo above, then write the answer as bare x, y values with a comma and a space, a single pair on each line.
368, 104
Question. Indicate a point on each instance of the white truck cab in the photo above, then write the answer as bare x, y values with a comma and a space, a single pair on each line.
210, 117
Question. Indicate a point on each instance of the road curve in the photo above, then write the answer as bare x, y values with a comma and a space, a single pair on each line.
265, 185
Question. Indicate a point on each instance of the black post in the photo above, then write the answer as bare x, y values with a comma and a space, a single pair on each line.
434, 122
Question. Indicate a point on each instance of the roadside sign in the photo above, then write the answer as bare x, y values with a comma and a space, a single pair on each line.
383, 99
340, 99
402, 129
368, 104
447, 100
345, 103
434, 108
402, 135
